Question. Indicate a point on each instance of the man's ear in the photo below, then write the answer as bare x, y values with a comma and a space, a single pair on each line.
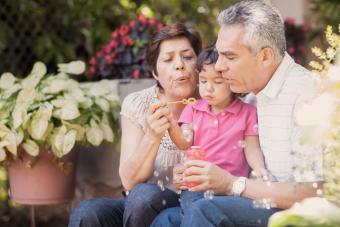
267, 56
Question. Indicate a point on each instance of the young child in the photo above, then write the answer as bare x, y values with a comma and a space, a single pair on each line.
222, 125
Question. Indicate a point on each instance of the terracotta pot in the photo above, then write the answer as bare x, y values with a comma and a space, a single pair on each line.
44, 183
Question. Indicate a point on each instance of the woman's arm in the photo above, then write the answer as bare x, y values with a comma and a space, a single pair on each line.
139, 149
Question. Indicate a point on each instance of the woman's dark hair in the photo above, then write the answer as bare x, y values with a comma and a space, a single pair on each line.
171, 31
209, 56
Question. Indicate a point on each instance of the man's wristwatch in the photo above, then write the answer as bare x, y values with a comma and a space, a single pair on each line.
239, 186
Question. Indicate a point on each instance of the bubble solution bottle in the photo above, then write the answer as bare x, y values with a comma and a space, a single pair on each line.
194, 153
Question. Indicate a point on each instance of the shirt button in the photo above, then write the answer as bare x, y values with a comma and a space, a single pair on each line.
215, 122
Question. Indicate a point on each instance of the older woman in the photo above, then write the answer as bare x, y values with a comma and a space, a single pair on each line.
147, 152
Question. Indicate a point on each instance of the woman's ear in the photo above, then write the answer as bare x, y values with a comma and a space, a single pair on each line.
154, 75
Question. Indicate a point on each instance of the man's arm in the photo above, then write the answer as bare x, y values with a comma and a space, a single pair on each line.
212, 177
282, 194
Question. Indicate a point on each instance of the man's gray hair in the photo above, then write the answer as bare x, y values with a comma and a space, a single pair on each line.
263, 25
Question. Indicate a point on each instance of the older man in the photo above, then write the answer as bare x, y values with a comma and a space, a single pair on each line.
252, 58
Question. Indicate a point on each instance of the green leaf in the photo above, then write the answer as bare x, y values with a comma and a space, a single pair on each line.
103, 104
69, 141
39, 123
68, 109
78, 128
18, 116
57, 140
11, 91
37, 73
99, 88
107, 131
87, 103
19, 136
7, 80
94, 134
31, 147
74, 67
48, 131
55, 86
78, 95
3, 130
112, 98
38, 127
12, 147
7, 135
24, 100
2, 154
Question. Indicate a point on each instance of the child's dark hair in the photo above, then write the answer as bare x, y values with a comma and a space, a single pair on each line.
209, 56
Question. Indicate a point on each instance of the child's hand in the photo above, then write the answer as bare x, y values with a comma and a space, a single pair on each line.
178, 177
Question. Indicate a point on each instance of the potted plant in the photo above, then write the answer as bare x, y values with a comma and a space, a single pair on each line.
42, 117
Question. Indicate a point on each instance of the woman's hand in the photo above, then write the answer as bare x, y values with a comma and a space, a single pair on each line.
178, 182
157, 120
209, 177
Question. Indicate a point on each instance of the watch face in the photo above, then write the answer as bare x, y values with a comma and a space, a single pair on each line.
239, 186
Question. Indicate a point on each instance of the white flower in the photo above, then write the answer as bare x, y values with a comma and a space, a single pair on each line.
334, 73
317, 112
315, 119
313, 210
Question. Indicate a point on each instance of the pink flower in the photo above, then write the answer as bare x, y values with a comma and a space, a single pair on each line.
290, 21
152, 21
99, 54
132, 24
291, 49
93, 61
108, 59
124, 29
113, 44
127, 41
142, 19
92, 71
135, 74
159, 26
114, 35
107, 49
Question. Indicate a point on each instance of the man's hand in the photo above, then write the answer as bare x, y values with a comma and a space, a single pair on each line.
209, 177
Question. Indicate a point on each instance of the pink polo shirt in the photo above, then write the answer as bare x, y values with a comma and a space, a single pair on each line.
222, 136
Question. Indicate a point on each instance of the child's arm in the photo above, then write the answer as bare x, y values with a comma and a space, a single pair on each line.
254, 156
181, 135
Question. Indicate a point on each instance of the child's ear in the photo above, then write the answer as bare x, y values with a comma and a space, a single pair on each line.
267, 56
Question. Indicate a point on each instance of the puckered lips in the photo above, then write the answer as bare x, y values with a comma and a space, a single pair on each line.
181, 79
227, 78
